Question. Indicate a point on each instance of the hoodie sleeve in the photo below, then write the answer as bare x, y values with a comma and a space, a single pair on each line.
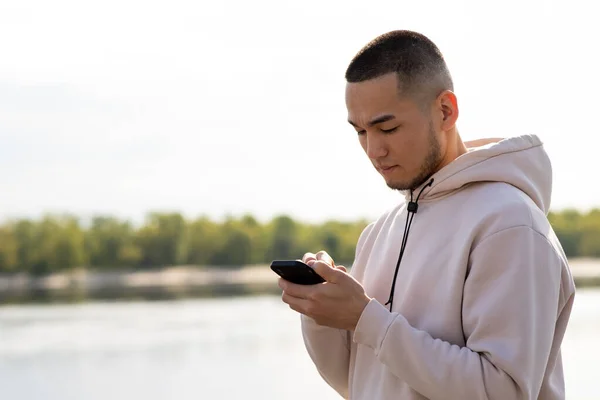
510, 302
329, 348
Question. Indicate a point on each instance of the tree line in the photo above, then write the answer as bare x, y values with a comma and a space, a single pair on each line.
62, 242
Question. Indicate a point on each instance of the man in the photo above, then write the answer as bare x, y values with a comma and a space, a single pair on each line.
461, 292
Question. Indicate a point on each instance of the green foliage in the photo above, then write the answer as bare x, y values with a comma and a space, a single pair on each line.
205, 237
111, 243
8, 249
53, 244
57, 243
578, 233
283, 238
163, 240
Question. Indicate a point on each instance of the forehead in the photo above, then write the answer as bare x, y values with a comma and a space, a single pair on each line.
375, 96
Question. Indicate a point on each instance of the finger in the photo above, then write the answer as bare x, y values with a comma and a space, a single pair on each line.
309, 258
296, 304
341, 268
323, 256
281, 283
327, 272
295, 290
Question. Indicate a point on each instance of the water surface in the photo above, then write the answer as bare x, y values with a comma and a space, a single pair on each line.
239, 348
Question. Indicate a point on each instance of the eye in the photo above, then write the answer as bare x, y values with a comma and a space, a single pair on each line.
389, 130
361, 132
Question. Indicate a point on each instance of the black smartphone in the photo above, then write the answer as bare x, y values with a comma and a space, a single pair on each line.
296, 272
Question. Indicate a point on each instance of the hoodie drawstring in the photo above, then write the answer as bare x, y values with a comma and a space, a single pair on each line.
412, 209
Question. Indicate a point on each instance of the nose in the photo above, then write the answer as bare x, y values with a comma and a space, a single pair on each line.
375, 146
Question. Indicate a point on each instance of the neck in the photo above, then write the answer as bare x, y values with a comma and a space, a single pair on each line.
454, 149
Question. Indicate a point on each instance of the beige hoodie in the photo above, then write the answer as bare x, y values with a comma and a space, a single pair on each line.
482, 297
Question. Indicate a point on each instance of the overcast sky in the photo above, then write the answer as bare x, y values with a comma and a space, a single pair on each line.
124, 107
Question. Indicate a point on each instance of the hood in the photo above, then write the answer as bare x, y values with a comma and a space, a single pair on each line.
520, 161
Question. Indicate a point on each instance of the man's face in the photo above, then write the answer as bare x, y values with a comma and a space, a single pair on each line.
398, 137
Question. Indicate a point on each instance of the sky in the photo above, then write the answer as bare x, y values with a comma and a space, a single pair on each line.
122, 107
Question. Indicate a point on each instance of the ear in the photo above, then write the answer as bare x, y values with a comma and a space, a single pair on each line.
448, 105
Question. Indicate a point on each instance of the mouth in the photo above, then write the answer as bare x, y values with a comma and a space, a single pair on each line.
387, 170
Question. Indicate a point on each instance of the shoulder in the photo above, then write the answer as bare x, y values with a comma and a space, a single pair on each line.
497, 206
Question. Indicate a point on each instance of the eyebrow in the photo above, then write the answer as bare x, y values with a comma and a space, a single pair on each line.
375, 121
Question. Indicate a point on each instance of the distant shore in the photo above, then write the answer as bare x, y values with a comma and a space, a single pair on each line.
178, 282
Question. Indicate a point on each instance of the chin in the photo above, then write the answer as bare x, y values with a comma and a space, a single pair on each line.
397, 184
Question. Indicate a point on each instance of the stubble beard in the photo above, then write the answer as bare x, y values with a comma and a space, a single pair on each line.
428, 167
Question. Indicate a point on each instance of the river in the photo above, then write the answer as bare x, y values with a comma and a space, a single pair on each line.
233, 348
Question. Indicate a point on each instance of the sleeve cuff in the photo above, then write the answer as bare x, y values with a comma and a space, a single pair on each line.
373, 325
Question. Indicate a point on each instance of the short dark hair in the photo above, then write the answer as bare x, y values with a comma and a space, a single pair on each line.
420, 66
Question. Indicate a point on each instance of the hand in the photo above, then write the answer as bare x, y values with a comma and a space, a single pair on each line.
310, 259
337, 303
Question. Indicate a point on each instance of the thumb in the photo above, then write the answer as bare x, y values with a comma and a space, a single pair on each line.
327, 272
